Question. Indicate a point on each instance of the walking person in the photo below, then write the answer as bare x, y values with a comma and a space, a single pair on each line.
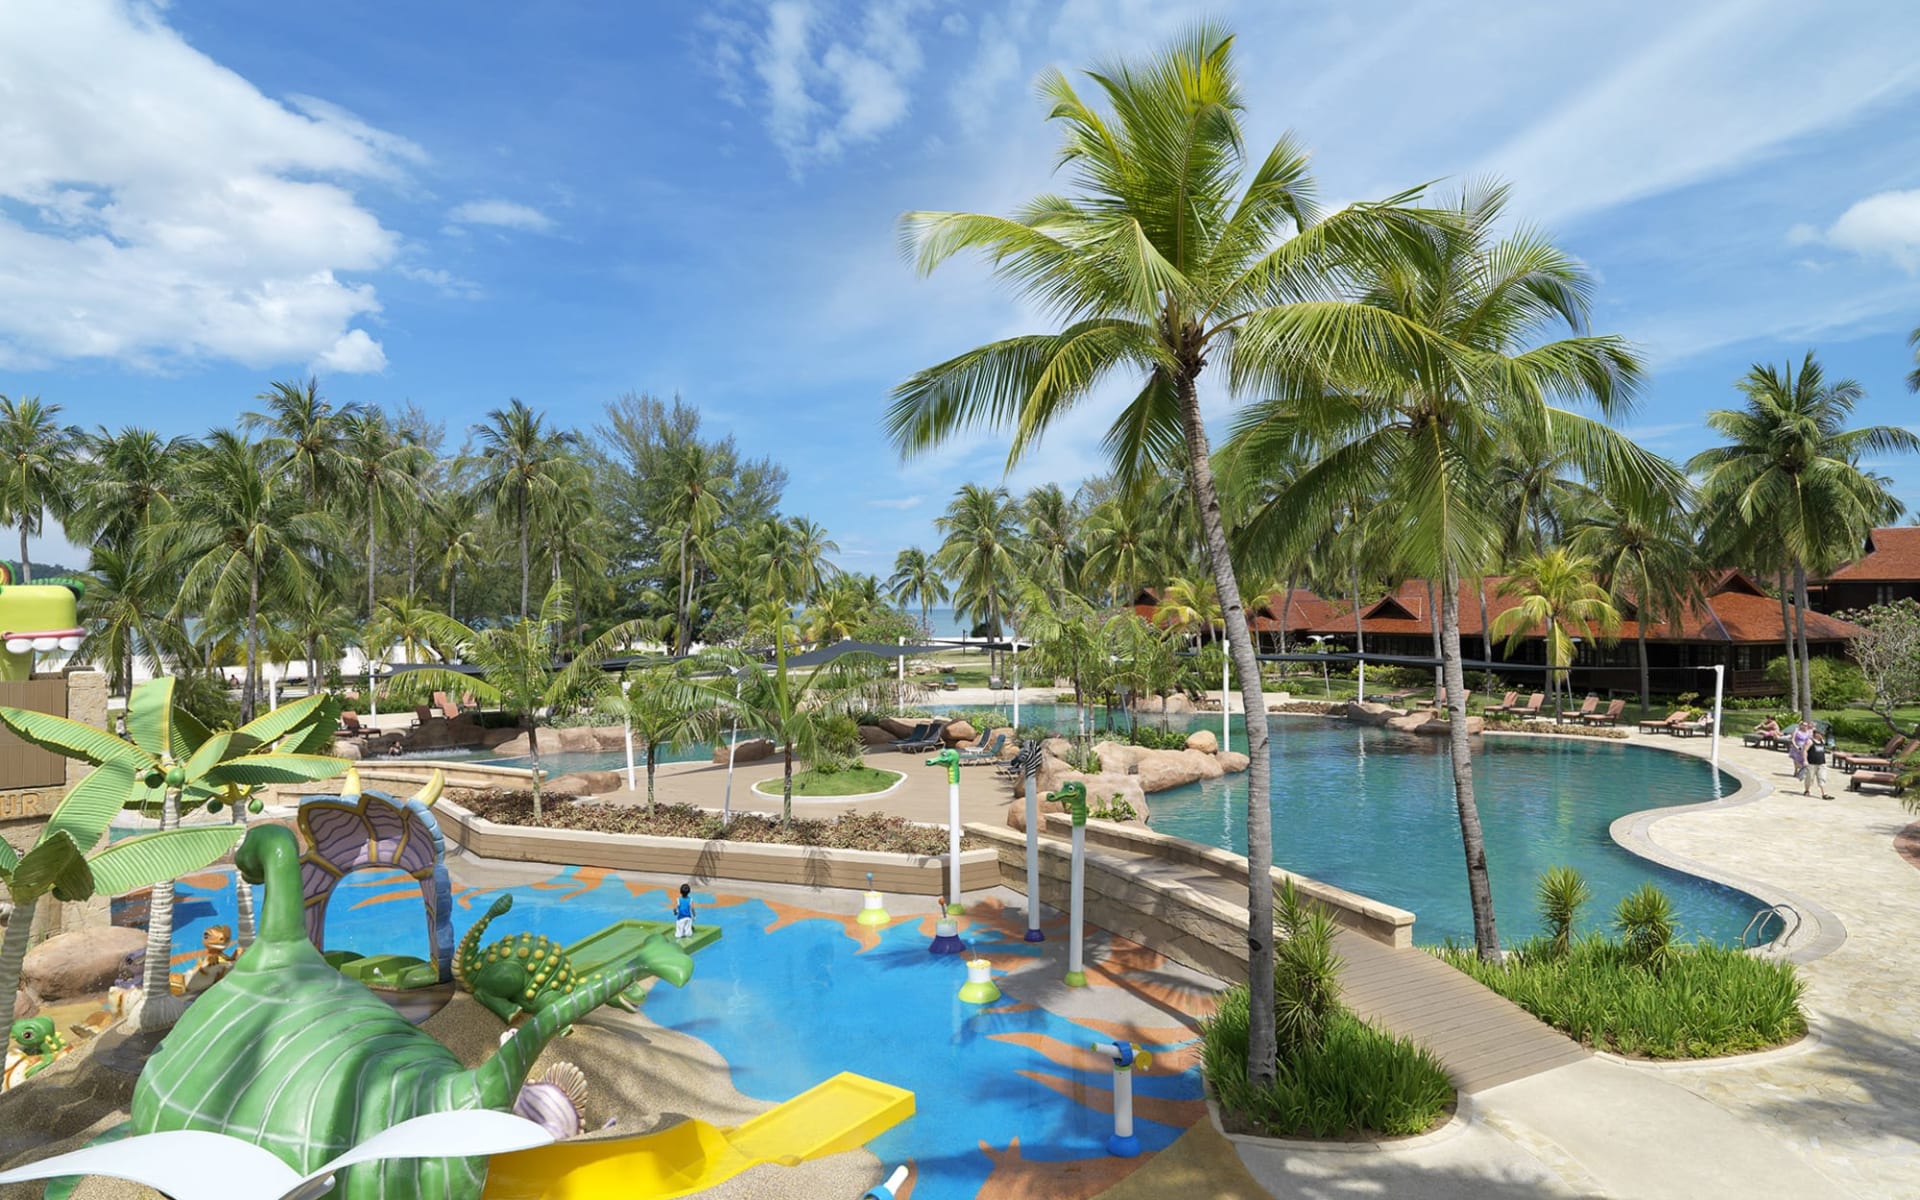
1797, 743
1816, 768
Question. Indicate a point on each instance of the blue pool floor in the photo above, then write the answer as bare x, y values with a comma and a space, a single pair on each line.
792, 994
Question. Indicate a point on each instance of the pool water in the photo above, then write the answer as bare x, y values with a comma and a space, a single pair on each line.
790, 997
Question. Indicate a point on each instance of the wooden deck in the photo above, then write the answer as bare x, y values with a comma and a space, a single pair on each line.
1482, 1038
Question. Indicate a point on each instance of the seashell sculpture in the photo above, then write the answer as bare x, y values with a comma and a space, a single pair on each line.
556, 1101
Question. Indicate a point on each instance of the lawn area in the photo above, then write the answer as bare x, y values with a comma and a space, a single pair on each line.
855, 781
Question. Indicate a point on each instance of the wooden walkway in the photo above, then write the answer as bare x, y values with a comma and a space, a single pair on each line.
1482, 1038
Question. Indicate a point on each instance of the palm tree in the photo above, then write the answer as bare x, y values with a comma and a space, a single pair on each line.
321, 627
981, 528
833, 616
1790, 462
696, 484
787, 559
916, 580
124, 611
665, 711
303, 434
1120, 550
240, 531
410, 626
1190, 607
36, 468
1169, 256
1913, 376
1645, 555
1051, 549
1558, 597
518, 671
461, 544
1418, 436
131, 475
520, 461
381, 468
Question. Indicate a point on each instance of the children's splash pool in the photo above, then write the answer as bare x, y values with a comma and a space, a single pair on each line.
790, 995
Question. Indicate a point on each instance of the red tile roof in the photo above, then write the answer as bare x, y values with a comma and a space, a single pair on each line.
1892, 554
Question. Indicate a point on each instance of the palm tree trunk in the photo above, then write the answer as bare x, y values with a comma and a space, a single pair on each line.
1786, 634
1262, 1048
248, 688
786, 788
1433, 613
1286, 610
1646, 687
159, 1007
453, 581
26, 565
649, 777
526, 565
1800, 622
1486, 634
13, 952
370, 554
533, 747
242, 890
1486, 937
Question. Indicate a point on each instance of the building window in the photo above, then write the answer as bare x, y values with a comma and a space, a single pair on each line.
1883, 593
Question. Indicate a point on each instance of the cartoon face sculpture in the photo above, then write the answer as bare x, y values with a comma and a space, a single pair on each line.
36, 618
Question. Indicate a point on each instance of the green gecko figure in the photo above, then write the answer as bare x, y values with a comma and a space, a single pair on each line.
36, 1037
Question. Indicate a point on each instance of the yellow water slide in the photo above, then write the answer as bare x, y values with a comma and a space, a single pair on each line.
843, 1113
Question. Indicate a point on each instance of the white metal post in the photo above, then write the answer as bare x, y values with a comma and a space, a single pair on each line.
1016, 688
1033, 855
1226, 683
373, 696
626, 719
1719, 682
1076, 907
900, 677
953, 840
733, 740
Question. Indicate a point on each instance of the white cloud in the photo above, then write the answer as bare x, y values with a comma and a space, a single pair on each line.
504, 214
155, 207
828, 79
354, 354
898, 503
1884, 225
445, 282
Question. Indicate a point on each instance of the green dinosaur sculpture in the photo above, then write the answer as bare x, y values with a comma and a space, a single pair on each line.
291, 1055
523, 972
36, 1037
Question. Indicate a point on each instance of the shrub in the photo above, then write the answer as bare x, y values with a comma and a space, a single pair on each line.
1155, 738
1561, 893
1306, 984
1836, 682
982, 719
834, 745
1855, 726
1355, 1079
1645, 922
1115, 809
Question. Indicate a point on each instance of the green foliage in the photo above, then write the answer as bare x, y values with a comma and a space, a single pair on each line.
983, 720
852, 780
1836, 682
1155, 738
1856, 727
1306, 985
832, 746
204, 693
1115, 808
1644, 921
1561, 894
1708, 1000
1354, 1079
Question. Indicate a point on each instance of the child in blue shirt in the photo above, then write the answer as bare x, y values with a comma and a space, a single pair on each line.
683, 914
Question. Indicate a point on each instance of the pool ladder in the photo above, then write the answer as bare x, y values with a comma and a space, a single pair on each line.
1758, 927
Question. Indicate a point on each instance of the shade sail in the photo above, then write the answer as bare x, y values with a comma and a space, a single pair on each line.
826, 654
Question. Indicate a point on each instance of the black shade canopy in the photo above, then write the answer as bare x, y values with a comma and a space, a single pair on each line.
826, 654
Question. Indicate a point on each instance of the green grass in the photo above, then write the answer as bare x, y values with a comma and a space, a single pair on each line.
1354, 1081
1705, 1001
855, 781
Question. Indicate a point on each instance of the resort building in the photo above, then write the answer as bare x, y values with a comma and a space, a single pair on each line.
1736, 625
1888, 569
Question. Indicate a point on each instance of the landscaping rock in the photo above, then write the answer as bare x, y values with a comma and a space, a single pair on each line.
348, 749
495, 738
1117, 758
1101, 789
898, 727
514, 744
25, 1004
1159, 770
572, 786
69, 966
959, 733
1369, 713
607, 738
1059, 747
876, 735
1440, 728
1176, 703
751, 750
1232, 761
1203, 741
576, 740
1411, 722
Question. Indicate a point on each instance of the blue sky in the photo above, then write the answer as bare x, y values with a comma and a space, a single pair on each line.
454, 204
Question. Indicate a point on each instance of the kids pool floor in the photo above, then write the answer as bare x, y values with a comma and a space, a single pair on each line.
797, 990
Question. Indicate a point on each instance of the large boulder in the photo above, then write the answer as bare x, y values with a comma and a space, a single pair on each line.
25, 1004
1411, 722
1368, 713
875, 735
1232, 761
80, 963
571, 787
1441, 728
959, 733
1117, 758
1176, 703
898, 727
576, 740
496, 738
1203, 741
1159, 770
1101, 791
1207, 764
608, 738
751, 750
514, 745
1059, 747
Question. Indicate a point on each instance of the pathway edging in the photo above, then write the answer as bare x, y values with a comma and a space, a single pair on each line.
1454, 1126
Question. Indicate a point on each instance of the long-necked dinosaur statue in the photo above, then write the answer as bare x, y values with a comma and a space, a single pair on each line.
289, 1054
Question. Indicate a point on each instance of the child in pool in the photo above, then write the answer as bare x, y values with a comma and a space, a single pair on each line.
683, 914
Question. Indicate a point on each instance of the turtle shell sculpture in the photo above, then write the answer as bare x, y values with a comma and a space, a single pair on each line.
291, 1055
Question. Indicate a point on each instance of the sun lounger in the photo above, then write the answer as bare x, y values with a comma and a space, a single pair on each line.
422, 713
1579, 714
447, 707
989, 752
1860, 781
1505, 706
1763, 741
1529, 710
350, 726
1882, 758
1609, 717
1666, 723
1690, 728
928, 738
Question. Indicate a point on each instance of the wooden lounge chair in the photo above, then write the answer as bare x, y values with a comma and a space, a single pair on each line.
422, 713
1860, 781
447, 707
1579, 714
1666, 723
987, 752
1505, 706
1879, 759
1530, 709
1609, 717
1762, 741
350, 725
929, 739
1701, 724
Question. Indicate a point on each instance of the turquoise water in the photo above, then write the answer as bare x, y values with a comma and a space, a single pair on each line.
789, 1007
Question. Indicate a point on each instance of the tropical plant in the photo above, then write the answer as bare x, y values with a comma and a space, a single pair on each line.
915, 580
303, 434
1888, 651
697, 479
379, 466
665, 712
170, 753
1050, 549
1415, 431
1561, 893
1557, 599
36, 468
130, 475
1790, 472
1306, 980
124, 611
1644, 554
518, 665
981, 529
520, 461
1645, 922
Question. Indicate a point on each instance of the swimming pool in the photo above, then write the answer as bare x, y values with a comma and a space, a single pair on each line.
789, 996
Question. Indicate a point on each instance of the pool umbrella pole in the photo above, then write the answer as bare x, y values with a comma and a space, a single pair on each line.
950, 759
1028, 764
1074, 796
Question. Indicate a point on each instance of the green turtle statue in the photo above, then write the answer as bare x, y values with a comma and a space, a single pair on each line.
522, 972
291, 1055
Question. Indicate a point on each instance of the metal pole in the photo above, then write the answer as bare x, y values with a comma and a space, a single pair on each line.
626, 719
953, 839
1016, 690
373, 696
733, 739
1030, 754
1719, 682
1226, 682
900, 677
1076, 904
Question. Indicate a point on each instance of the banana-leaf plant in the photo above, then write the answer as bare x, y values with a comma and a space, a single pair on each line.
169, 753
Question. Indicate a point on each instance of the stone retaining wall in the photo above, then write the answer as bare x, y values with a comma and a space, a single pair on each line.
756, 862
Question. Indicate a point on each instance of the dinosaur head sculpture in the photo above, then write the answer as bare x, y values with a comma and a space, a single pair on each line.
35, 618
